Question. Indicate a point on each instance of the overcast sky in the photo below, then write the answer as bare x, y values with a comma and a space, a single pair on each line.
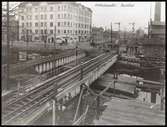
139, 12
108, 12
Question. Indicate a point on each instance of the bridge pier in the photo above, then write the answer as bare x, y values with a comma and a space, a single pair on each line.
53, 112
153, 97
97, 107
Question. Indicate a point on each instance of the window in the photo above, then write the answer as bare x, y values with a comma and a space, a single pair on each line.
51, 24
58, 16
51, 16
51, 8
30, 9
30, 24
45, 9
45, 16
64, 23
58, 8
58, 23
51, 31
68, 23
64, 15
41, 24
45, 24
64, 31
41, 8
27, 24
45, 31
36, 9
58, 31
36, 17
41, 31
41, 16
36, 31
22, 17
36, 24
22, 24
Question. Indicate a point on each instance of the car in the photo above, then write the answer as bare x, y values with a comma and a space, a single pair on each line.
59, 40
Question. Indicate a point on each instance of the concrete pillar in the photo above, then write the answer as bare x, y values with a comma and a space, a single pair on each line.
98, 108
62, 61
153, 97
38, 68
48, 66
53, 112
43, 67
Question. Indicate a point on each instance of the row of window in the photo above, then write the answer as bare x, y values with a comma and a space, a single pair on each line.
69, 16
42, 24
37, 17
77, 25
64, 24
62, 16
38, 9
60, 8
45, 31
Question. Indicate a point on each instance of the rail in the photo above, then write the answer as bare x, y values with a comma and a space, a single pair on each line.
45, 91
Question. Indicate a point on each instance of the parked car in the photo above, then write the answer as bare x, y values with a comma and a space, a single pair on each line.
59, 40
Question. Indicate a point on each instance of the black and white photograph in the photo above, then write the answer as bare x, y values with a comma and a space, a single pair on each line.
83, 63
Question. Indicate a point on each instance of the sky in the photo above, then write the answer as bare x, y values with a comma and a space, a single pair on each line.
138, 12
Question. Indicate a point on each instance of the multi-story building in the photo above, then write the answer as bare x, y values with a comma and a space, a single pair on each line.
13, 28
97, 34
46, 21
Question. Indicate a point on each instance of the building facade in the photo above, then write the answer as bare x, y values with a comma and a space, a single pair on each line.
97, 34
13, 28
45, 21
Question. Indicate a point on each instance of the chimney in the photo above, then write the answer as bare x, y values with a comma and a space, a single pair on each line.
157, 16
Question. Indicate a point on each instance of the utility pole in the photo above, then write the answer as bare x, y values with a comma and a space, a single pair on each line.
111, 32
133, 27
117, 46
76, 52
27, 44
119, 30
8, 48
55, 37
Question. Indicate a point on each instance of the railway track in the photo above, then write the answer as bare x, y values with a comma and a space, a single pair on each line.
20, 107
30, 84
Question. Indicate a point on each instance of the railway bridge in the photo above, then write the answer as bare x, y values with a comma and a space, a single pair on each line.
68, 83
59, 90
